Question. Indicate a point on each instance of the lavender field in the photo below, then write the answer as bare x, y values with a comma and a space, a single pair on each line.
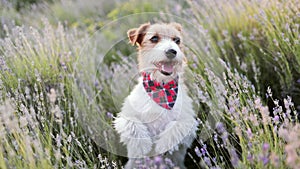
66, 66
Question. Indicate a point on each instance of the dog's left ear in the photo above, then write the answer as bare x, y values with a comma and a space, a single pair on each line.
136, 35
176, 26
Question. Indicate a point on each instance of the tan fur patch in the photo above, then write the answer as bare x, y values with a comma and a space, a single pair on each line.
163, 31
136, 35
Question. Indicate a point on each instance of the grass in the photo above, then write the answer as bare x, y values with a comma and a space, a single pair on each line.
59, 74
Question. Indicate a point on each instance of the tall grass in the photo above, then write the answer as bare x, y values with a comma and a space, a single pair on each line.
36, 78
60, 90
260, 39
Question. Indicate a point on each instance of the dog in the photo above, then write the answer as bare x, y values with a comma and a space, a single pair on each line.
157, 117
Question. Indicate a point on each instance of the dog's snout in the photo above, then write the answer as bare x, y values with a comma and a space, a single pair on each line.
171, 53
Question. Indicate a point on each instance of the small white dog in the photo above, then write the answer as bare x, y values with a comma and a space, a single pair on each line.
157, 116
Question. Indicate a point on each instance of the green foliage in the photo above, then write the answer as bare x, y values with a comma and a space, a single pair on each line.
259, 39
57, 80
21, 4
134, 7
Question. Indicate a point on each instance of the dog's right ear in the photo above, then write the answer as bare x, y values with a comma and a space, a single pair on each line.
132, 35
136, 35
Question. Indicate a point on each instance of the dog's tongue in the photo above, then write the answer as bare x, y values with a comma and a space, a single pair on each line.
167, 67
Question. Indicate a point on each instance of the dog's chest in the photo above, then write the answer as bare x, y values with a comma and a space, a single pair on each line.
151, 114
159, 124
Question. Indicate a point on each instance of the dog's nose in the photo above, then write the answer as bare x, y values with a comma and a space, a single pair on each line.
171, 53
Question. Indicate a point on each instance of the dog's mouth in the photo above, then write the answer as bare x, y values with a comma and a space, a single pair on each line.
165, 67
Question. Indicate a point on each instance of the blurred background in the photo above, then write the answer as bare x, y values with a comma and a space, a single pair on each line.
62, 62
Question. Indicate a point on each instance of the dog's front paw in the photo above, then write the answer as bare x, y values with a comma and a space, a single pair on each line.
139, 147
161, 146
167, 140
173, 135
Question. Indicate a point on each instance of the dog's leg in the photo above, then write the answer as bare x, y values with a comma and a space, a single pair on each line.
136, 137
176, 132
178, 156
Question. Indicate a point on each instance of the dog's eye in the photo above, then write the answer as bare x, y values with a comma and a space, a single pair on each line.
176, 40
154, 39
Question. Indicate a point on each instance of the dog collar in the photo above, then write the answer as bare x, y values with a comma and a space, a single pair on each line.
164, 94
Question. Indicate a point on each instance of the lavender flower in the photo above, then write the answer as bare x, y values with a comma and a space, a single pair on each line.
109, 115
207, 161
276, 119
197, 151
265, 160
265, 147
250, 157
249, 133
158, 160
220, 127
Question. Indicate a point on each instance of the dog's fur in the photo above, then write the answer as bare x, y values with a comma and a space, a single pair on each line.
146, 128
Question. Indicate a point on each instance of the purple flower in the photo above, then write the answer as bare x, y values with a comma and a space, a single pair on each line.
234, 158
96, 83
216, 138
158, 160
225, 137
250, 157
109, 115
249, 133
276, 118
195, 65
197, 151
265, 147
169, 162
207, 161
220, 127
214, 159
203, 151
265, 160
250, 145
148, 161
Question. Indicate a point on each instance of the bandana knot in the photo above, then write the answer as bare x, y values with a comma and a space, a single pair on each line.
164, 94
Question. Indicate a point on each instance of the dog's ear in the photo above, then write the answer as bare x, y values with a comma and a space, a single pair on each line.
176, 26
132, 35
136, 35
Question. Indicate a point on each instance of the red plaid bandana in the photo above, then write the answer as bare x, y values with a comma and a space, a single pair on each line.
164, 94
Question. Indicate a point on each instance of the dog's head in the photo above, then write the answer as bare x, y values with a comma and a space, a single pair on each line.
160, 49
